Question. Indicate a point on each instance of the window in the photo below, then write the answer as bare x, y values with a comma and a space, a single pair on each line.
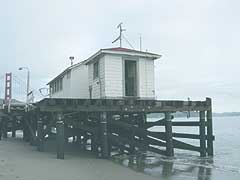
96, 70
56, 86
69, 74
61, 84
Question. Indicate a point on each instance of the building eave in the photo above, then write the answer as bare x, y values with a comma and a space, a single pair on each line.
136, 53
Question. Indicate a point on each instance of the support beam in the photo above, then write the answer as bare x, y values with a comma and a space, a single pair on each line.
60, 139
210, 137
104, 135
202, 134
168, 130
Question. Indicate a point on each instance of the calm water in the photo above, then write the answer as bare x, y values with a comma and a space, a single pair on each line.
188, 165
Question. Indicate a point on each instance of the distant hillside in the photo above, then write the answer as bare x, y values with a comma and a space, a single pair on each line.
196, 114
14, 101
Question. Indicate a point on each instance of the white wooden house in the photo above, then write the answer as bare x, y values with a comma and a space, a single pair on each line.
109, 73
71, 83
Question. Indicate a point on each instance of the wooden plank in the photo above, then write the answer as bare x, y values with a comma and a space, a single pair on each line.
184, 135
158, 135
160, 122
202, 133
185, 123
181, 145
68, 105
118, 139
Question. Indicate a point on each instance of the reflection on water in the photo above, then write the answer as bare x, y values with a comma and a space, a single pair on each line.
167, 168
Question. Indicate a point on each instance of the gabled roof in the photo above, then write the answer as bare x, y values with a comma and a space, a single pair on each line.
117, 50
123, 51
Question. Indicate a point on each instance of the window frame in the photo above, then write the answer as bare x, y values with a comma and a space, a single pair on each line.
96, 70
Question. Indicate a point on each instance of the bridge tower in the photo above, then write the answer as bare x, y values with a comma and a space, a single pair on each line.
8, 89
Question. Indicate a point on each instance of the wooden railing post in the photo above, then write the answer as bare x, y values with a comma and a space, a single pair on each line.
202, 133
168, 130
209, 129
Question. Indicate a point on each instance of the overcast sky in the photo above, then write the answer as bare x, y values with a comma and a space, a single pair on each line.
199, 41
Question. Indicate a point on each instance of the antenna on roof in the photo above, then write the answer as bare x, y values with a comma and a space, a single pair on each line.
140, 42
120, 35
71, 59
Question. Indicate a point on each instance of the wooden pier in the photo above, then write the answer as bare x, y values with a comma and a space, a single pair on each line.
117, 125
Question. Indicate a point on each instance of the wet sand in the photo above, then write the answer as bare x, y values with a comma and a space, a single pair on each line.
19, 160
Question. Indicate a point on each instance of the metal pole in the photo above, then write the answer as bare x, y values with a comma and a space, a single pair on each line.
28, 84
120, 36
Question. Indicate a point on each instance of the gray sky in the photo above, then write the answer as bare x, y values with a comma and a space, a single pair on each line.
199, 41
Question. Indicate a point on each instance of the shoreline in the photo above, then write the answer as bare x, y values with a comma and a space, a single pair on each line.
19, 160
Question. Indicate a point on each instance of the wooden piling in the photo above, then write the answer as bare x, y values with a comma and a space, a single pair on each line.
202, 134
26, 133
168, 132
60, 139
14, 121
5, 131
40, 137
210, 137
131, 134
104, 135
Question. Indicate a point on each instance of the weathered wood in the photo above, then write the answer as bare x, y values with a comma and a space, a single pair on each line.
40, 135
185, 123
210, 137
168, 131
158, 135
26, 133
188, 136
14, 121
202, 133
104, 135
181, 145
91, 105
60, 139
128, 130
124, 140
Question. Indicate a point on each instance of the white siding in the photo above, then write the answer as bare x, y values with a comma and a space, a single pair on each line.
64, 93
110, 83
146, 78
98, 84
113, 76
79, 82
75, 86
